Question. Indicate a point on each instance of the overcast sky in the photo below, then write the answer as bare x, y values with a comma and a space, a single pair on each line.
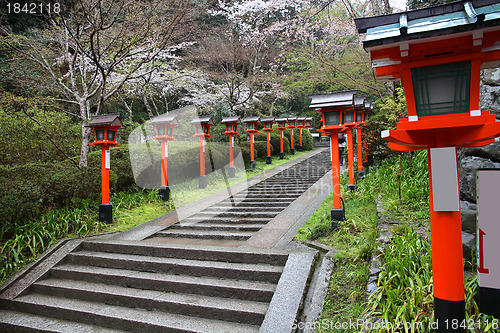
399, 4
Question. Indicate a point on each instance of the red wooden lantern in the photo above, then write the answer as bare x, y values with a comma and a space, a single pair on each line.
252, 123
292, 123
202, 130
281, 126
231, 130
105, 131
164, 128
301, 123
437, 53
331, 106
361, 115
268, 127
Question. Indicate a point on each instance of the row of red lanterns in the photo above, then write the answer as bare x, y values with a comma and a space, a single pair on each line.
342, 112
105, 135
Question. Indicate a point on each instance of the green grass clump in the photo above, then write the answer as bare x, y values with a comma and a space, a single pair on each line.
404, 293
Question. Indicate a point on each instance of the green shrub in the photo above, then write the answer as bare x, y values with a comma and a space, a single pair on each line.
33, 189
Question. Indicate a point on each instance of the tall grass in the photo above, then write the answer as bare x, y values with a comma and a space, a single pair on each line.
404, 293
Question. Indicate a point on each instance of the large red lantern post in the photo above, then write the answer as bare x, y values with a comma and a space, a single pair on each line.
252, 123
292, 123
438, 54
164, 127
332, 106
281, 126
231, 130
268, 128
105, 130
202, 130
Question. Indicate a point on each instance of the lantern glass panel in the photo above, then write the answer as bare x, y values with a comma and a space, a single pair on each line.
442, 89
169, 131
250, 126
235, 127
161, 131
111, 135
359, 117
207, 129
332, 118
348, 117
199, 129
99, 135
266, 125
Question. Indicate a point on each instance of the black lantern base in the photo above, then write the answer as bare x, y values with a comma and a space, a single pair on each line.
202, 182
447, 313
337, 215
164, 193
252, 165
106, 213
301, 148
292, 151
489, 301
361, 174
231, 172
282, 156
268, 160
351, 187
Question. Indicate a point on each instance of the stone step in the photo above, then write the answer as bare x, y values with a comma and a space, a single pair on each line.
12, 321
250, 256
258, 204
241, 235
143, 263
276, 189
214, 287
269, 196
218, 227
250, 221
209, 213
246, 312
122, 318
260, 200
218, 208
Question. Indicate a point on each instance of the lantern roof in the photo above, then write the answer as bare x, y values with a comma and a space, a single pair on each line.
203, 121
235, 119
333, 99
301, 118
281, 119
251, 119
309, 118
292, 118
359, 102
165, 118
106, 120
368, 106
452, 18
267, 120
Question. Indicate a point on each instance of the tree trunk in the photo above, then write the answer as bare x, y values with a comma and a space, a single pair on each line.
86, 131
84, 151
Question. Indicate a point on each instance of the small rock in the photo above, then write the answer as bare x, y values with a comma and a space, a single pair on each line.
468, 246
469, 211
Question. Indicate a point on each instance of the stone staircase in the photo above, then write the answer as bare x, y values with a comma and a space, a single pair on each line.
145, 287
237, 218
160, 279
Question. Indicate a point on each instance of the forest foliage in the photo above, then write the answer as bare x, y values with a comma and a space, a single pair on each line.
145, 58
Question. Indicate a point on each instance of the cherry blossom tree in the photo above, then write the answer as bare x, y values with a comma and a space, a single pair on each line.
92, 50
